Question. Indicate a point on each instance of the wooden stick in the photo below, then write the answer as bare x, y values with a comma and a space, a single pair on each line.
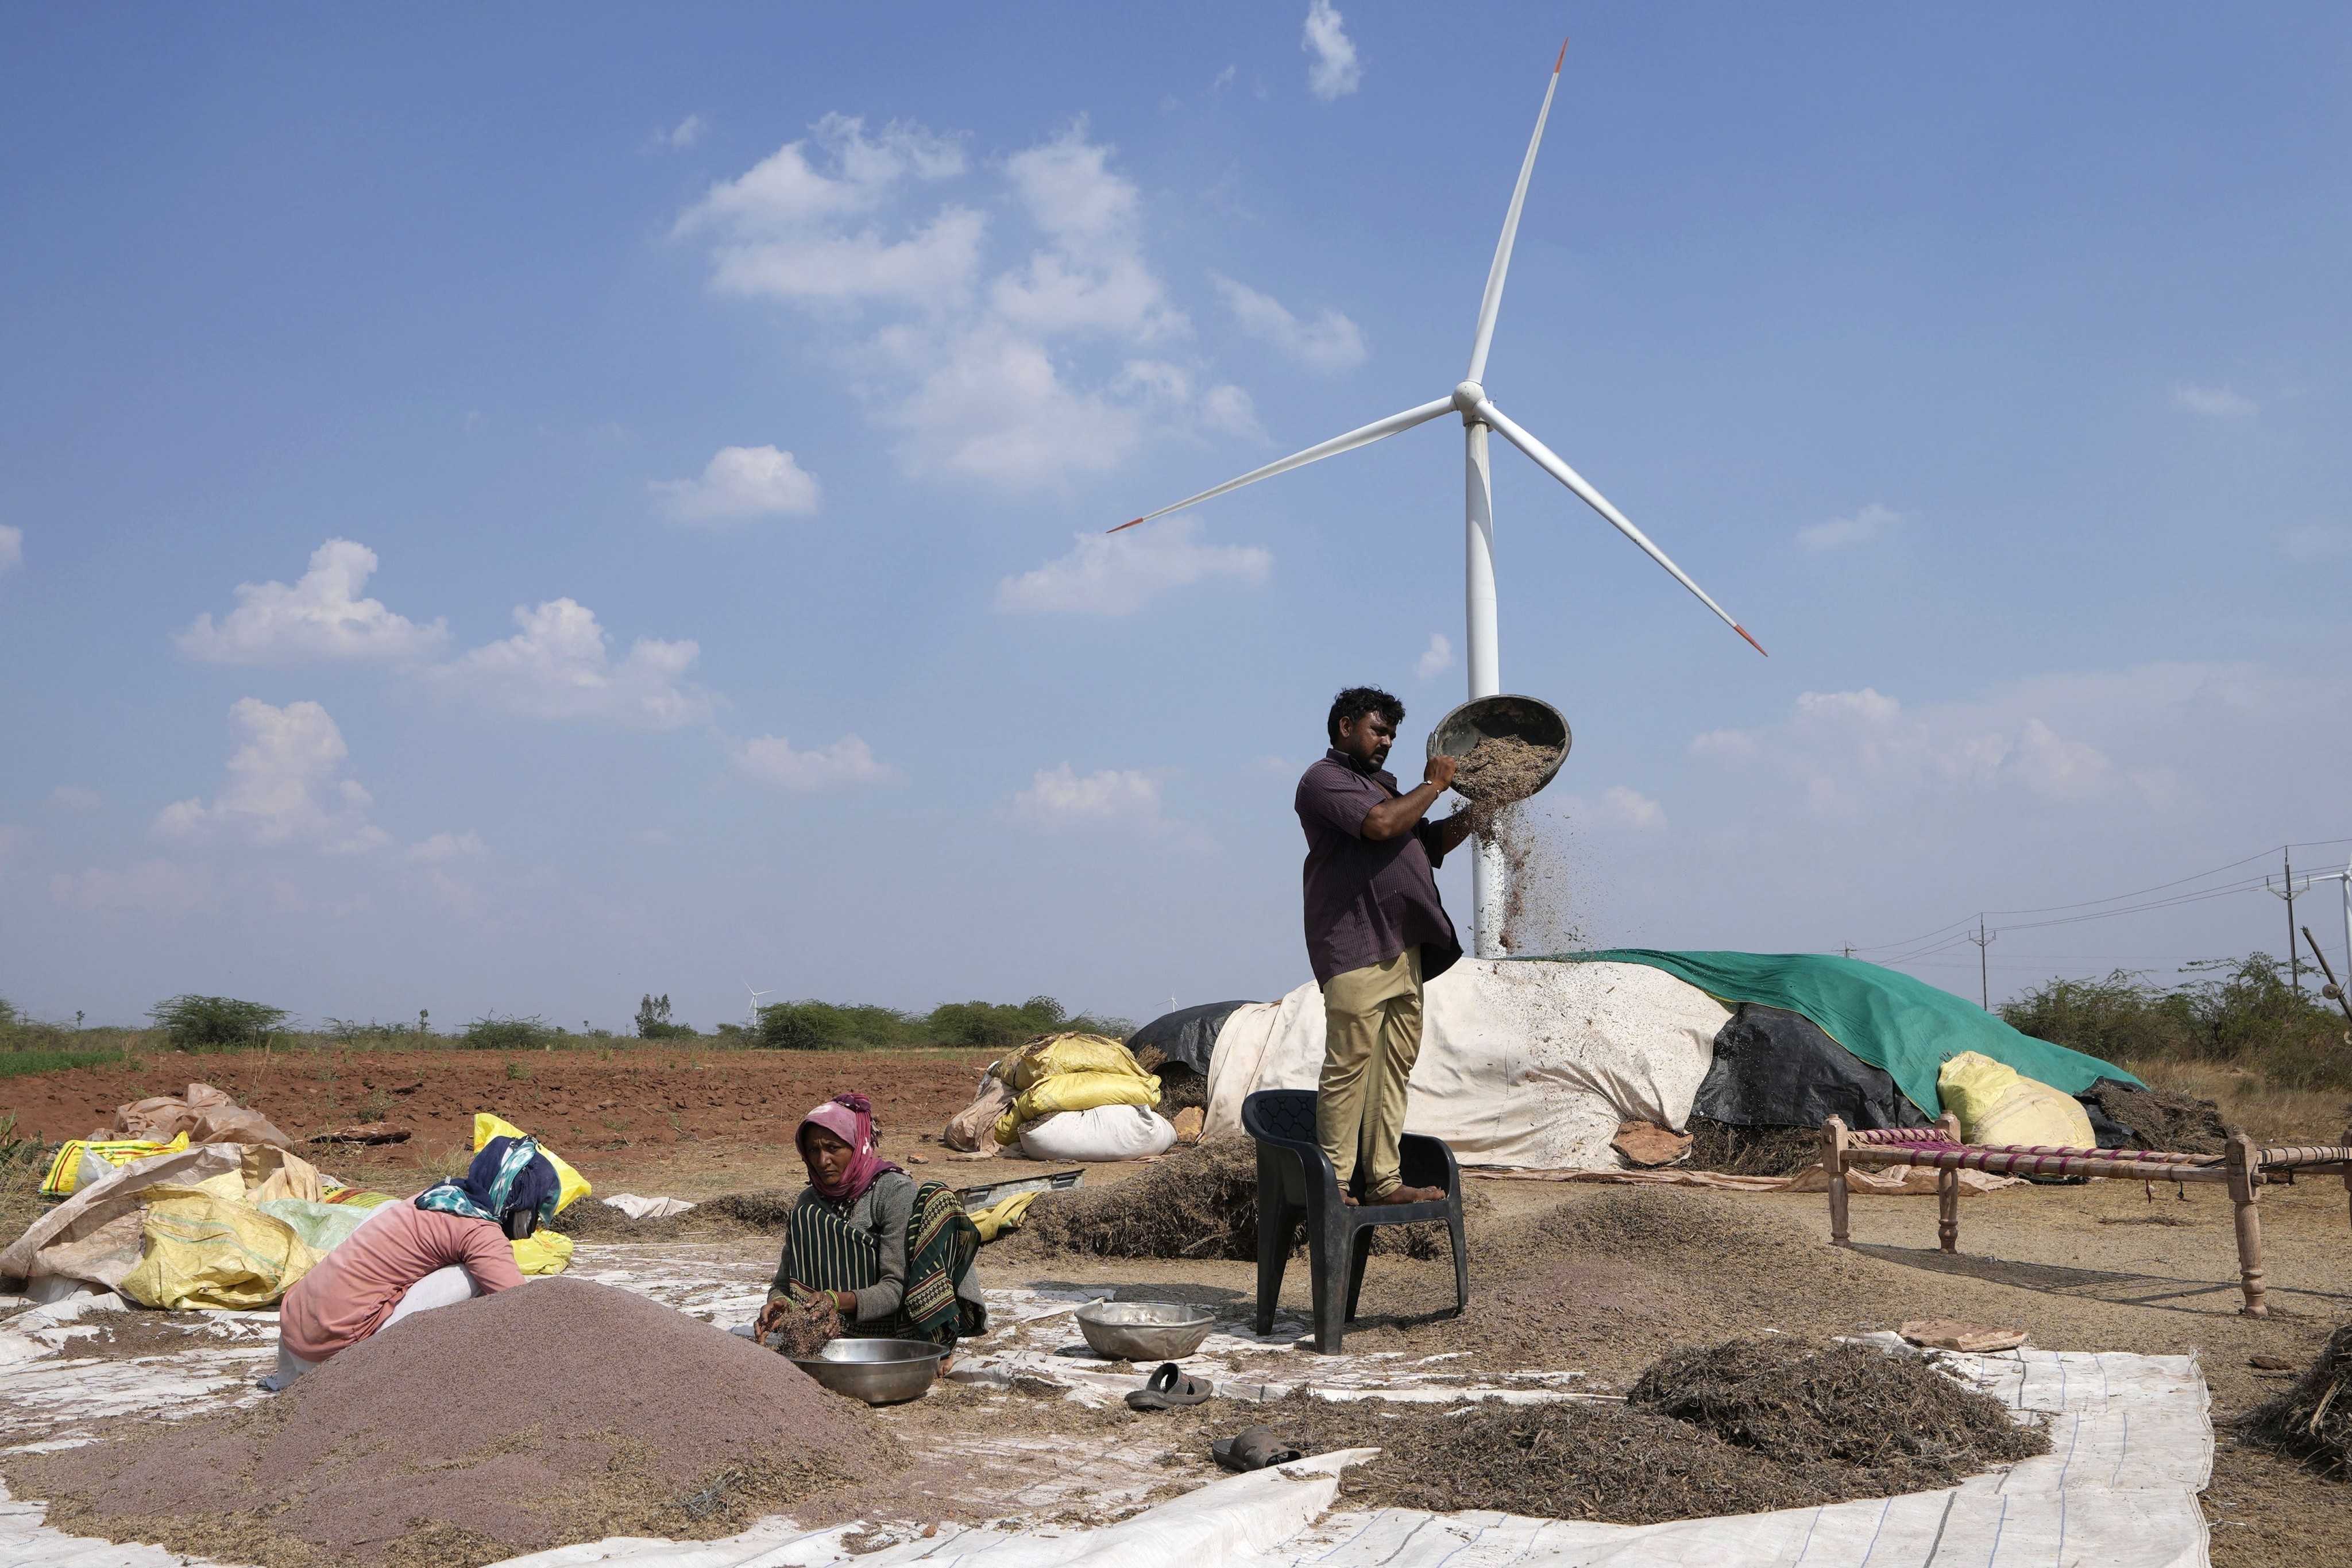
2348, 1177
1948, 1190
1834, 1155
2246, 1188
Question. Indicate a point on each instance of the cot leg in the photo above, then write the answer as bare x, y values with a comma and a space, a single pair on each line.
1948, 1192
1833, 1133
2348, 1175
2245, 1174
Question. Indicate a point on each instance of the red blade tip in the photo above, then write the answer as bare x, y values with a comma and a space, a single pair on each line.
1563, 57
1127, 525
1751, 641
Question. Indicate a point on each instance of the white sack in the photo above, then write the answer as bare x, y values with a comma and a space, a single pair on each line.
1106, 1133
637, 1207
1528, 1066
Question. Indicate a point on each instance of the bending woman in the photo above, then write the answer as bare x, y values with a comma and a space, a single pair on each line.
447, 1243
866, 1249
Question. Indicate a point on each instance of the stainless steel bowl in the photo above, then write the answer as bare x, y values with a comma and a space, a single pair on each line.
879, 1372
1530, 719
1145, 1331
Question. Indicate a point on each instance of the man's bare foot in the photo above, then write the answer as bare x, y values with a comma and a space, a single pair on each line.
1402, 1195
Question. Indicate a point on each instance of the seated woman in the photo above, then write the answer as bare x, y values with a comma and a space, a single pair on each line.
866, 1249
447, 1243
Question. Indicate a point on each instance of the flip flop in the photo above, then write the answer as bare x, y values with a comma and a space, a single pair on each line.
1169, 1387
1252, 1448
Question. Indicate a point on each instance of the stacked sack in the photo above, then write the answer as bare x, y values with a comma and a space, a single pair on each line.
1080, 1097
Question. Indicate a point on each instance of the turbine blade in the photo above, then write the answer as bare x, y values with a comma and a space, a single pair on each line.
1549, 461
1492, 304
1331, 448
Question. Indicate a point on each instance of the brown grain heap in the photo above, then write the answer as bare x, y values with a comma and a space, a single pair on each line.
1739, 1429
556, 1413
1501, 769
2313, 1420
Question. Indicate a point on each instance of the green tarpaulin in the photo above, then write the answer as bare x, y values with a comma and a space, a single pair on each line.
1906, 1026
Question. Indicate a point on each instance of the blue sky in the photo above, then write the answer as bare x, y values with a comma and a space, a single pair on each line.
510, 511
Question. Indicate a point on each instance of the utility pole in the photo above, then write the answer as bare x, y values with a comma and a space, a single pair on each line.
1984, 981
2293, 956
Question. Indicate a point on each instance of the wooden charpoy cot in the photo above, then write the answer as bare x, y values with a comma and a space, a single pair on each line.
2244, 1169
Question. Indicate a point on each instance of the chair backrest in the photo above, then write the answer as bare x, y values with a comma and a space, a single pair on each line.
1280, 1116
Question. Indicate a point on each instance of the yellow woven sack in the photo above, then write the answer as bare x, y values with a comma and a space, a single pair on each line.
1998, 1104
542, 1252
574, 1184
1057, 1055
1003, 1215
1075, 1092
207, 1251
65, 1171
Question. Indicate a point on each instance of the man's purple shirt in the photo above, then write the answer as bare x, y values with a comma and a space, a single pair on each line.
1368, 900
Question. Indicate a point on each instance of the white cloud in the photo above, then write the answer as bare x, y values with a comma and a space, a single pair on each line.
778, 223
848, 762
1330, 344
1333, 72
1058, 798
75, 797
1870, 522
685, 133
2316, 541
560, 666
1116, 573
12, 548
1850, 750
2213, 401
285, 788
1629, 809
739, 484
446, 846
164, 891
321, 617
1436, 658
1032, 377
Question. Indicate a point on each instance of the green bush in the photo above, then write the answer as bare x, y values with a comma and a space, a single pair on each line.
982, 1026
2242, 1011
492, 1032
217, 1023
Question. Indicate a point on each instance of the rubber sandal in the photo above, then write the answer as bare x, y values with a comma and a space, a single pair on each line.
1252, 1448
1168, 1387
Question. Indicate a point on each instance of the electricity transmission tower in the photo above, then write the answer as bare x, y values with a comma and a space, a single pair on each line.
2288, 892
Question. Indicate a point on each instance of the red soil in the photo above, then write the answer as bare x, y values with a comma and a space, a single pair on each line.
610, 1117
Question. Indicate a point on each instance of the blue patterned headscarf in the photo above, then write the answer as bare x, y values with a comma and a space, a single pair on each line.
509, 1175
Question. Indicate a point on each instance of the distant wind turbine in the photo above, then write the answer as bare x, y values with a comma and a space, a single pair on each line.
753, 1022
1488, 870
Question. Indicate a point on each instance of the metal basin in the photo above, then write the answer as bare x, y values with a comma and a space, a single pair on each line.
879, 1372
1145, 1331
1530, 719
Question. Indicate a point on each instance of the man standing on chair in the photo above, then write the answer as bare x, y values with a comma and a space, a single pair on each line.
1376, 933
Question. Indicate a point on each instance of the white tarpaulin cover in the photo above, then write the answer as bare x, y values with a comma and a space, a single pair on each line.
1530, 1065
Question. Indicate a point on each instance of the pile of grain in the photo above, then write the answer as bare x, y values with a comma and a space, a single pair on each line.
1739, 1429
1197, 1203
1501, 769
2313, 1420
556, 1413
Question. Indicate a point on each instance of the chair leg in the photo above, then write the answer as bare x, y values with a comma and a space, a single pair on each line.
1273, 1253
1461, 1259
1326, 1248
1359, 1249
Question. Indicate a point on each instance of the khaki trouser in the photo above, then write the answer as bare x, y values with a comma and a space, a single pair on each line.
1372, 1033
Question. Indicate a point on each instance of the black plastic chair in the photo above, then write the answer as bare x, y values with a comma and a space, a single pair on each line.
1295, 1176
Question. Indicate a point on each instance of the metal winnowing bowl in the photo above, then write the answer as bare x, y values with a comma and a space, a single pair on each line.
1529, 718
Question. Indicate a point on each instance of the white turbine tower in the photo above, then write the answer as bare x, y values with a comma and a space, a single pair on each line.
753, 1021
1479, 414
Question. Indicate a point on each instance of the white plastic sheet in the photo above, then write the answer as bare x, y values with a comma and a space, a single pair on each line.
1531, 1066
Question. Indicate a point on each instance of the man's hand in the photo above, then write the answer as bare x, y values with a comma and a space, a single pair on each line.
1440, 770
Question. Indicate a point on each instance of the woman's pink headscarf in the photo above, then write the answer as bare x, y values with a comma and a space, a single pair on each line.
850, 1118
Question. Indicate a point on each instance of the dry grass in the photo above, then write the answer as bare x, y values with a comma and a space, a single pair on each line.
2270, 1114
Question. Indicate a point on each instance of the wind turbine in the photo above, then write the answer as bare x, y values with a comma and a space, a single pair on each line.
1488, 871
753, 1023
